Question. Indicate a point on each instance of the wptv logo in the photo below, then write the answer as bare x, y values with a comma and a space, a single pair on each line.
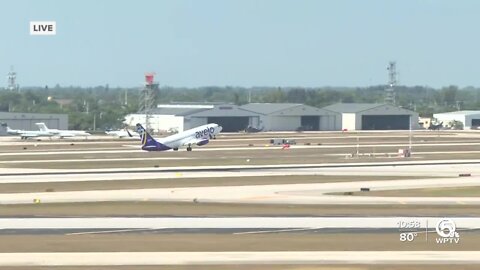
447, 231
43, 28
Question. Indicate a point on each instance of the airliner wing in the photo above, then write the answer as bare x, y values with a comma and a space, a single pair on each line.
196, 141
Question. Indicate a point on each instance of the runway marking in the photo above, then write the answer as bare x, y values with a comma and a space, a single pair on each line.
307, 193
275, 231
238, 167
414, 153
91, 159
115, 231
261, 197
239, 258
98, 225
293, 147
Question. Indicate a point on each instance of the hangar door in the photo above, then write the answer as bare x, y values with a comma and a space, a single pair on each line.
310, 122
475, 123
385, 122
230, 124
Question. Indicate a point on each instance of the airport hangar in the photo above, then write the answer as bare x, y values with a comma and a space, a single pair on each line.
469, 119
234, 118
26, 121
374, 116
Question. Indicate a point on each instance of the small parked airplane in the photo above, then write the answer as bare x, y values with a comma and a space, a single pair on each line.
196, 136
122, 133
62, 133
435, 127
26, 134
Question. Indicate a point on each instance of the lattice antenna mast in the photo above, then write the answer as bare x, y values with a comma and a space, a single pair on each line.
12, 80
392, 82
148, 98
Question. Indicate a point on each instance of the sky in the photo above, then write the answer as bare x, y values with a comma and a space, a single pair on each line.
191, 43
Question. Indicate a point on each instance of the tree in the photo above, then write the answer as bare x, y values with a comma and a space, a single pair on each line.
296, 95
449, 95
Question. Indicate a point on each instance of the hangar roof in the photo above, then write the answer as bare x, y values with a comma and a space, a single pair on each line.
460, 112
285, 109
224, 110
21, 115
352, 107
177, 111
269, 108
251, 109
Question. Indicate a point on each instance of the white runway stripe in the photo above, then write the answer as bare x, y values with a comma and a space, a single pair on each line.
240, 257
254, 223
113, 231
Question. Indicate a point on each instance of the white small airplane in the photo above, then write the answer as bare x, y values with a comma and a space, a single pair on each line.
122, 133
26, 134
196, 136
62, 133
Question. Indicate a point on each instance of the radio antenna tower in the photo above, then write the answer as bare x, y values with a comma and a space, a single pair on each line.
148, 98
392, 82
12, 80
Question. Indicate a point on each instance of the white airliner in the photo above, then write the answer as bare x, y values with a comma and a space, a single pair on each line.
62, 133
196, 136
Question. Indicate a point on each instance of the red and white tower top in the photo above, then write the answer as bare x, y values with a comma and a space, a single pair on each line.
149, 76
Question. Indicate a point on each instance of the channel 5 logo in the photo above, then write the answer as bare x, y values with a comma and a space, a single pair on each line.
447, 230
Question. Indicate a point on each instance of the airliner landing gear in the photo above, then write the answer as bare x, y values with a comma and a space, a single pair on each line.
175, 149
189, 148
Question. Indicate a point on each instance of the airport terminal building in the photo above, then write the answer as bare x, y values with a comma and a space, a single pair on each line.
374, 116
234, 118
26, 121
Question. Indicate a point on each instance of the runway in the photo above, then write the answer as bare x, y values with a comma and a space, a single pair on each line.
87, 159
257, 224
314, 193
443, 169
390, 154
422, 165
264, 146
297, 220
239, 258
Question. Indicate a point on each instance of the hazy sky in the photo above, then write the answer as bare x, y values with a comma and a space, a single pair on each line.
242, 42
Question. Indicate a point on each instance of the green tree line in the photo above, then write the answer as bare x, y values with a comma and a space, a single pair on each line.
107, 107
